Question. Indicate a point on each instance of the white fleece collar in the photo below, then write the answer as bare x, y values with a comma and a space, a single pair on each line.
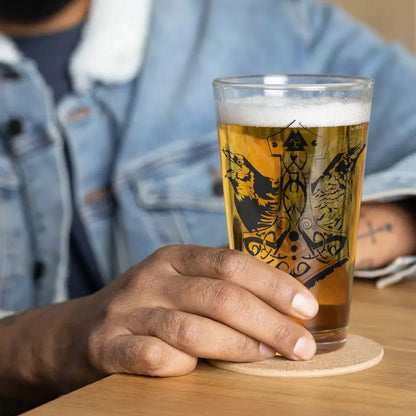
112, 45
9, 54
113, 42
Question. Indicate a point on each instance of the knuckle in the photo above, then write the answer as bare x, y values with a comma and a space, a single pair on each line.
152, 357
228, 263
179, 329
281, 334
188, 253
113, 310
276, 288
167, 258
159, 254
164, 253
227, 297
139, 280
143, 282
187, 333
245, 347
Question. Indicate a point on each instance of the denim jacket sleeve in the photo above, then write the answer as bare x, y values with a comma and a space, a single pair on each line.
335, 43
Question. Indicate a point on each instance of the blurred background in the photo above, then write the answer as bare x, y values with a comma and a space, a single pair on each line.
395, 20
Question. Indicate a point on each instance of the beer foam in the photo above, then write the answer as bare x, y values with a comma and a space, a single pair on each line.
272, 111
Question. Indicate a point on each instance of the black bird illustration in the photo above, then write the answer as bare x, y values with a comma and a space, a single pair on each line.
255, 195
328, 202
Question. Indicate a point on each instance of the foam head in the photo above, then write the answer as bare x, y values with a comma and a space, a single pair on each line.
274, 111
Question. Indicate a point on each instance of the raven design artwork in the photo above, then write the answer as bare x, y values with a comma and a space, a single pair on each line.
328, 189
295, 224
255, 195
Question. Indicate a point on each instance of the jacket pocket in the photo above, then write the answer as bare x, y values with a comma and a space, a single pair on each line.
16, 289
175, 192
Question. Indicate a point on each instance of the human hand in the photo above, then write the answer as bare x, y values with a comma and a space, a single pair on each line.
186, 302
385, 232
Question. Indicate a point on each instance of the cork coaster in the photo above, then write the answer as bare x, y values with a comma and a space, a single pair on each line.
357, 354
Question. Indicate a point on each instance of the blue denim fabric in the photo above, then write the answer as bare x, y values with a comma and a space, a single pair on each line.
145, 152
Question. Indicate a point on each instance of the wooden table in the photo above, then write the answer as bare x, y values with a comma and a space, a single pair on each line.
388, 316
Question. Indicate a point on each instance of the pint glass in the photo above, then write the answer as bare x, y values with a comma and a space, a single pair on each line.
292, 151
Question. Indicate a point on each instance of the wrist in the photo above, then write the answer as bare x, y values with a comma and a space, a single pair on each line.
72, 367
44, 352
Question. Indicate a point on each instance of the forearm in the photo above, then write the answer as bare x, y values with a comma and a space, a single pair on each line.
386, 231
39, 354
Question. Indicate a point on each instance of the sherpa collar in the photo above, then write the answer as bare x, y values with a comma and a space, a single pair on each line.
112, 46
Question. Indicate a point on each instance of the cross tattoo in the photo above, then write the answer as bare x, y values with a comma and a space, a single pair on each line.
373, 231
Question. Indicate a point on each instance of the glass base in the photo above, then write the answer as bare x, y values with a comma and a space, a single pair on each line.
327, 341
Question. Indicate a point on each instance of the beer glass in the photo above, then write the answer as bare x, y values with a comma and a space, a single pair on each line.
292, 151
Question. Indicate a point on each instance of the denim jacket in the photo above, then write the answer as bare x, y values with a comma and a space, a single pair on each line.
141, 131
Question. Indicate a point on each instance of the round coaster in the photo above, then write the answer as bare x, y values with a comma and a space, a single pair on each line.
357, 354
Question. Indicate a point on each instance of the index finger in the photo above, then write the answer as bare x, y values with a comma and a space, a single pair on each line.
277, 288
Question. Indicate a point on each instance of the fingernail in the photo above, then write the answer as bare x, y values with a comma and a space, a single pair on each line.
305, 348
304, 305
266, 351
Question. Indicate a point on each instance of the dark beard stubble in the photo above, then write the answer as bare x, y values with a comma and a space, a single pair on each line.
30, 11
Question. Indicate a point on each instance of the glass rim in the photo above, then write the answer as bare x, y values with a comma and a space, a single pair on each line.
339, 82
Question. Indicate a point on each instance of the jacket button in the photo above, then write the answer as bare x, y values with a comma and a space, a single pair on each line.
38, 270
10, 74
14, 127
78, 114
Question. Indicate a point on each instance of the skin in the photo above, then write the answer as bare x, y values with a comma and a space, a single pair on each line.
385, 232
181, 303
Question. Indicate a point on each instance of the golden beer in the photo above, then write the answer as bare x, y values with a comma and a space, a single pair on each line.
292, 197
292, 153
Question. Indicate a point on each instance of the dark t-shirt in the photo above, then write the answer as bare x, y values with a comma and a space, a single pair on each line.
52, 54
